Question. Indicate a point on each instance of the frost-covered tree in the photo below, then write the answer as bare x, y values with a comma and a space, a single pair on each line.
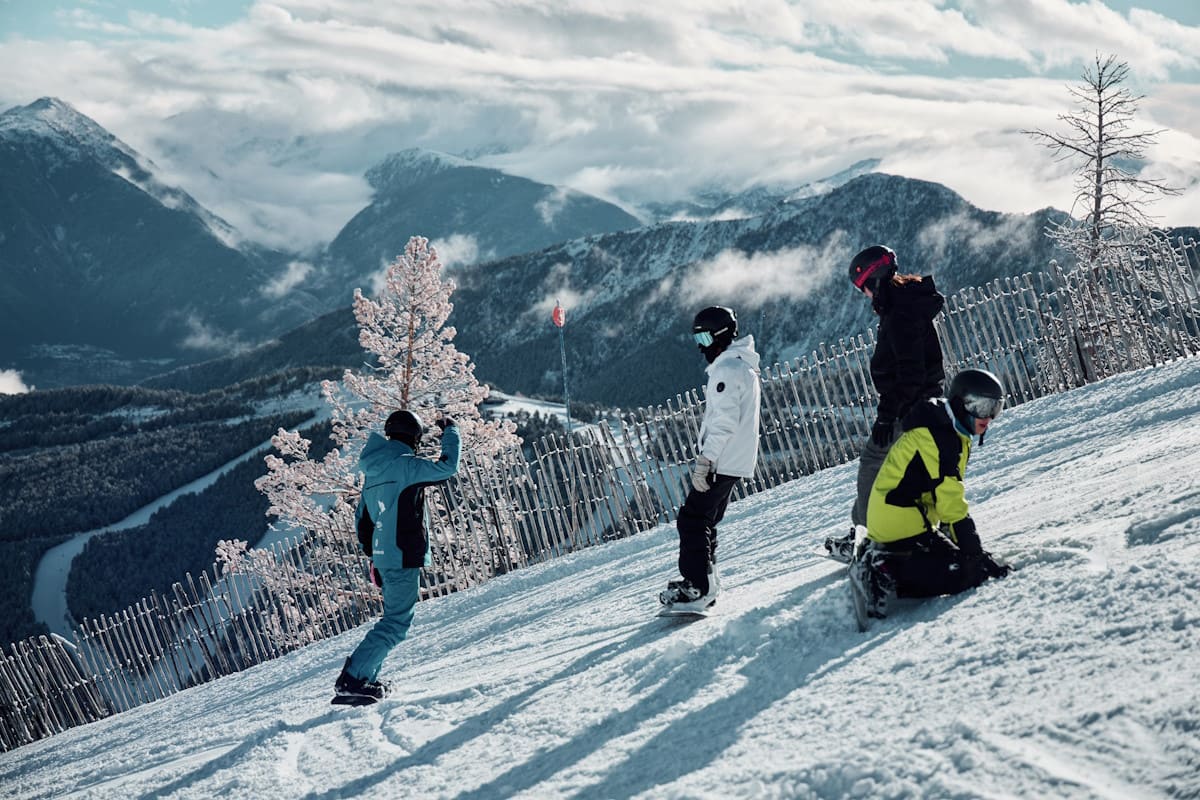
1109, 229
414, 365
1112, 197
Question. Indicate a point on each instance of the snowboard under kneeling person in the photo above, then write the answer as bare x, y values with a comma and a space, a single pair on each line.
391, 529
727, 451
921, 540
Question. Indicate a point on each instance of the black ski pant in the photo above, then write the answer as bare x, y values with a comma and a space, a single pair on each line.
697, 525
870, 461
929, 565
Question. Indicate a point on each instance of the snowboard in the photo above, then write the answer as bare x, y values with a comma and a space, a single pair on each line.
352, 700
860, 607
696, 609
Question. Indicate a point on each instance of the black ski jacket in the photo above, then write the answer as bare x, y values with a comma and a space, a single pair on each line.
907, 364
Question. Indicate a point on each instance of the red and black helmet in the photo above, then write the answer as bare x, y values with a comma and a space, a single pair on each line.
872, 267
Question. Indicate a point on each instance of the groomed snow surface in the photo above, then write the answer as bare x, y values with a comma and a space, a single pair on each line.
1076, 677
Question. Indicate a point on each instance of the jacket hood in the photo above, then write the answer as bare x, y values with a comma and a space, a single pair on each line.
742, 348
379, 452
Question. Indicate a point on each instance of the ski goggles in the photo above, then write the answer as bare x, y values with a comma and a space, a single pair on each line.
981, 407
705, 338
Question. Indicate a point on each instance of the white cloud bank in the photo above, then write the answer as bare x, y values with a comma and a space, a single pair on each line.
12, 383
272, 119
294, 275
750, 280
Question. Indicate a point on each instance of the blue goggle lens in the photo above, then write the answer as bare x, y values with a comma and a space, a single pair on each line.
703, 338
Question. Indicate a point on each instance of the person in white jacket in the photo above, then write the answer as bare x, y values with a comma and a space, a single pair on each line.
727, 451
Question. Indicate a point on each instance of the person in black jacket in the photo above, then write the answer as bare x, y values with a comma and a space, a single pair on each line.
906, 367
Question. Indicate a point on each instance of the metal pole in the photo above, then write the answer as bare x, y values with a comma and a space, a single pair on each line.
562, 347
559, 317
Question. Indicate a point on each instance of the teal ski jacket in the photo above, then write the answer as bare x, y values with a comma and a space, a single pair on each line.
391, 512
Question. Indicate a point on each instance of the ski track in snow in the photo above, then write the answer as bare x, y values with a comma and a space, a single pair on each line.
1075, 677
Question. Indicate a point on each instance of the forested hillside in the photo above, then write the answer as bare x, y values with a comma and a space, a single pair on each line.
118, 569
73, 460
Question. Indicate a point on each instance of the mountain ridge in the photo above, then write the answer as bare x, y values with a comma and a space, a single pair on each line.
108, 274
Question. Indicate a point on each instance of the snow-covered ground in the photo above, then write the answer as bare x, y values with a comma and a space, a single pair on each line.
1076, 677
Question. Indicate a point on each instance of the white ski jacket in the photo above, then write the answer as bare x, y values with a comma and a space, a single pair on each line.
729, 432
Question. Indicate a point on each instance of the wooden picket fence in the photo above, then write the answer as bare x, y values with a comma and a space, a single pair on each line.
1042, 334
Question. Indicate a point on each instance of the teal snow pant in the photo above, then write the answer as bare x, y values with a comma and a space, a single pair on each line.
400, 589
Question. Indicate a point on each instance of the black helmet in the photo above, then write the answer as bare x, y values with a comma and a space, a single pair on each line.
974, 394
718, 322
404, 426
872, 267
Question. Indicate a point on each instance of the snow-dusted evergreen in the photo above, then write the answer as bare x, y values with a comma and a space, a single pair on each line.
413, 365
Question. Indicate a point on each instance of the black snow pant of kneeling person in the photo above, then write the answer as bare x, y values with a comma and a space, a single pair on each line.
697, 525
929, 565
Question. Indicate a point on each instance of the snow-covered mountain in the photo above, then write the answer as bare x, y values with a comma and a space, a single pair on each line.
108, 273
100, 256
631, 294
472, 213
719, 203
1073, 678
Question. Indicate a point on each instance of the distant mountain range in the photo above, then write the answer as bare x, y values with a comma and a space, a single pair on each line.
107, 274
477, 214
631, 294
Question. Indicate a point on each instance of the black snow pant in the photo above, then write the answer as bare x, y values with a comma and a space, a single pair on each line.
697, 525
929, 565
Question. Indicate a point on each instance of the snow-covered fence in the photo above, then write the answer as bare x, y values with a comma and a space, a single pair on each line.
44, 691
1041, 334
207, 628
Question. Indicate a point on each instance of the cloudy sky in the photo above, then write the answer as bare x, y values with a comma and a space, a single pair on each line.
270, 112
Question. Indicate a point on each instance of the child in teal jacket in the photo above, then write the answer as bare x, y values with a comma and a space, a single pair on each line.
391, 529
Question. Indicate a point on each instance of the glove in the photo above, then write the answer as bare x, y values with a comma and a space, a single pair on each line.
881, 433
994, 568
700, 474
964, 535
444, 422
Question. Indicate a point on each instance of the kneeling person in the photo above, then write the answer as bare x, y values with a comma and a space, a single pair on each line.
921, 540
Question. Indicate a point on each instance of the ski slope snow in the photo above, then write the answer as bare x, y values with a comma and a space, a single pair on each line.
1076, 677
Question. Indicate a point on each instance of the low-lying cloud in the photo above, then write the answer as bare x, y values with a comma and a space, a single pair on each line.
12, 383
456, 250
294, 275
749, 280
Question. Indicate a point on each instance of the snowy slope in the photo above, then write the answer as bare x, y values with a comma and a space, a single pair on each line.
1076, 677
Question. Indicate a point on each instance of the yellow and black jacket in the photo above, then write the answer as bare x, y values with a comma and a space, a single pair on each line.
920, 485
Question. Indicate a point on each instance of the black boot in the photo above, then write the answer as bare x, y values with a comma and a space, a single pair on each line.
349, 686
